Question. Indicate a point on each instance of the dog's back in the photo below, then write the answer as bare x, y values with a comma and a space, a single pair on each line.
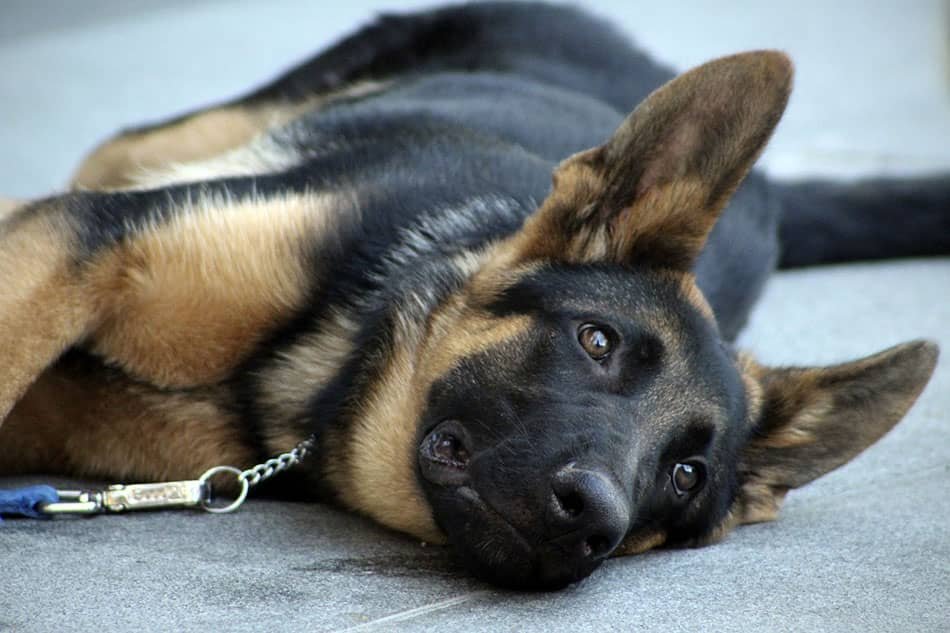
464, 112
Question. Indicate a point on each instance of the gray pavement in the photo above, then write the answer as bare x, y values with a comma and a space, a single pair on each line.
866, 548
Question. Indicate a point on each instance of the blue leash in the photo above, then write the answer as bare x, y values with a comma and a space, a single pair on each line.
25, 501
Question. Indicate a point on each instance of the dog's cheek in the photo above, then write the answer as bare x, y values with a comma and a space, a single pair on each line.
641, 542
375, 470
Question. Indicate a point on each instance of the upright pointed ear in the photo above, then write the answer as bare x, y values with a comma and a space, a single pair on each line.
652, 193
813, 420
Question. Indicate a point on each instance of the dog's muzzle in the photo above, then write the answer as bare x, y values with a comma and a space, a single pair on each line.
541, 533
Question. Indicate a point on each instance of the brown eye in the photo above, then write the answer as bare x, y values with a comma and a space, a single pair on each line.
686, 477
594, 341
448, 449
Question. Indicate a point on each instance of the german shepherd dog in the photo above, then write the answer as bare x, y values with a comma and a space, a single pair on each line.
372, 249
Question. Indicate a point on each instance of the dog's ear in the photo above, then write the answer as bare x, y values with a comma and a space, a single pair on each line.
652, 193
812, 420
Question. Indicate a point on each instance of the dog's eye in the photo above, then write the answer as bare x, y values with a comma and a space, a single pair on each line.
687, 477
448, 449
594, 340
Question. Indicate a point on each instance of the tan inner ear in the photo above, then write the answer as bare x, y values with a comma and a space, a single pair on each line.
809, 421
653, 192
759, 503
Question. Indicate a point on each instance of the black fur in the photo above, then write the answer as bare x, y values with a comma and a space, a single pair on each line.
477, 106
550, 405
827, 222
485, 100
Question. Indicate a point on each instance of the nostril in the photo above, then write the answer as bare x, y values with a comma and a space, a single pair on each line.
571, 503
590, 514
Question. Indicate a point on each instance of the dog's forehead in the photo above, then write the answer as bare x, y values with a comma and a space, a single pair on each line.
519, 341
667, 304
539, 309
458, 333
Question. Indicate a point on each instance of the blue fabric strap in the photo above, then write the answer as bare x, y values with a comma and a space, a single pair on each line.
23, 501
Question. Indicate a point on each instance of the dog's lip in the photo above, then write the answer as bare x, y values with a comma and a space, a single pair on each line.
536, 571
471, 496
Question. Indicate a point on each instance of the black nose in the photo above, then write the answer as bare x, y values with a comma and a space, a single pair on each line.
589, 515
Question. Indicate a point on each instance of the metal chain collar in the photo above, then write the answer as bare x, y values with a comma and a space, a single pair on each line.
274, 465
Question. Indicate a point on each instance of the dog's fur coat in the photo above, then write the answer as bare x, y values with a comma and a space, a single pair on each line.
370, 249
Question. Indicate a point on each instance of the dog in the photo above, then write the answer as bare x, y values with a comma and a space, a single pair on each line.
504, 308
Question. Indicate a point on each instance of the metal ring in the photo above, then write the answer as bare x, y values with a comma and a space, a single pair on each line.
234, 505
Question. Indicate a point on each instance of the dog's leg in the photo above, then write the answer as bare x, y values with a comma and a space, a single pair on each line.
42, 311
81, 418
175, 293
119, 162
349, 69
139, 158
465, 38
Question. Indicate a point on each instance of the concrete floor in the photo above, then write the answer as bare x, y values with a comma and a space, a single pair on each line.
864, 549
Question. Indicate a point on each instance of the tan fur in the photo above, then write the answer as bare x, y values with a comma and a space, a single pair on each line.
639, 543
727, 525
260, 155
179, 304
41, 311
376, 476
116, 163
7, 207
672, 216
379, 479
160, 155
750, 373
309, 363
690, 291
545, 235
653, 192
663, 221
92, 422
758, 503
473, 333
187, 300
811, 420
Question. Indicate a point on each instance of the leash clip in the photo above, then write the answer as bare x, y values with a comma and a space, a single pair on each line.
125, 497
173, 494
74, 502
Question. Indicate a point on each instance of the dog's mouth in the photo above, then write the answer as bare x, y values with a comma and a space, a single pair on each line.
496, 551
491, 545
475, 500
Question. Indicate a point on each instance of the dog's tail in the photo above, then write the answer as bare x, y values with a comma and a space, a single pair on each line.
824, 222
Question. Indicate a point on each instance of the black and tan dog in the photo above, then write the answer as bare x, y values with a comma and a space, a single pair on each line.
372, 249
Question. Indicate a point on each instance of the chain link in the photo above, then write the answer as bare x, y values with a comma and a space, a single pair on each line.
274, 465
175, 494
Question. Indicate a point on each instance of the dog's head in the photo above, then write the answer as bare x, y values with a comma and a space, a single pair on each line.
576, 399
